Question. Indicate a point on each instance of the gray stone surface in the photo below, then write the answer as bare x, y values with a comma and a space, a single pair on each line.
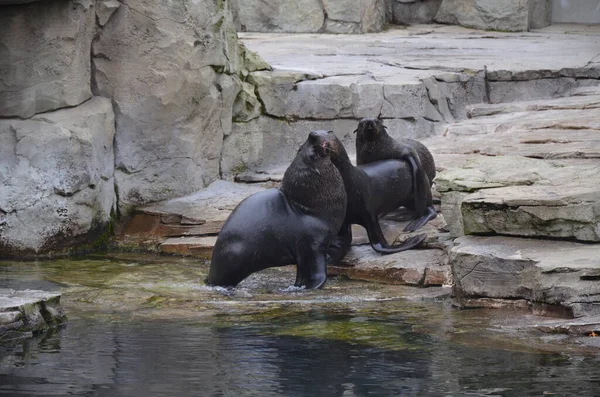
105, 9
575, 11
504, 15
173, 104
56, 177
304, 16
540, 13
52, 70
28, 312
524, 197
411, 12
415, 267
549, 272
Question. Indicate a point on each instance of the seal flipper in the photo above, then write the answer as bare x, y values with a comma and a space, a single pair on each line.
340, 245
311, 270
380, 244
418, 223
420, 182
407, 244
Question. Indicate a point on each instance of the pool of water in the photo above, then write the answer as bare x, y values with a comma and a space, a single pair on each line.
146, 326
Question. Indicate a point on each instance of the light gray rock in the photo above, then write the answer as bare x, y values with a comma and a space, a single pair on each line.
56, 178
450, 94
410, 12
506, 15
374, 15
28, 312
105, 9
525, 197
173, 101
541, 271
415, 267
281, 16
54, 70
343, 10
408, 100
540, 13
246, 106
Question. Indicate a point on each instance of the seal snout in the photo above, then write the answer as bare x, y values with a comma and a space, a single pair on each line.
320, 138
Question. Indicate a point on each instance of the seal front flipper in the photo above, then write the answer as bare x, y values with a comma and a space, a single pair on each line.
418, 223
407, 244
312, 264
340, 245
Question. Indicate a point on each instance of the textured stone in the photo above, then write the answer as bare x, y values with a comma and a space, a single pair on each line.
281, 16
52, 70
246, 106
408, 267
526, 197
506, 15
450, 94
549, 272
540, 13
410, 12
105, 9
198, 247
173, 104
51, 198
28, 312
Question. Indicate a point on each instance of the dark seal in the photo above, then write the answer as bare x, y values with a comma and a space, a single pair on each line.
374, 144
295, 223
372, 190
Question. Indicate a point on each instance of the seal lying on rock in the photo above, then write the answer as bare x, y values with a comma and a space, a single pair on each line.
295, 223
373, 190
373, 144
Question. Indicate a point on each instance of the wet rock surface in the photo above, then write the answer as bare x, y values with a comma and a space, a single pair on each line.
25, 313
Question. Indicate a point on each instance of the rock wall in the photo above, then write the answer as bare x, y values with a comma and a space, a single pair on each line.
503, 15
107, 104
323, 16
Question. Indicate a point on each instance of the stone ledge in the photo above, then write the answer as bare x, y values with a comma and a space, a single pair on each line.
28, 312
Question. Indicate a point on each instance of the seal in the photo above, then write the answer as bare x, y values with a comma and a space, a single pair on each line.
374, 144
295, 223
372, 190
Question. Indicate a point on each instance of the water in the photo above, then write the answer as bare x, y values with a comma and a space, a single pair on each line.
145, 326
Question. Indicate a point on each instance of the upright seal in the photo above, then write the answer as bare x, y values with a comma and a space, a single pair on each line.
373, 144
293, 224
373, 190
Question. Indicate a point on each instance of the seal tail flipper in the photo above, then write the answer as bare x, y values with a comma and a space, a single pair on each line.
418, 223
420, 184
408, 244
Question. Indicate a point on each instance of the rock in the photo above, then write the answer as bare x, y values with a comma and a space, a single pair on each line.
58, 197
173, 99
451, 94
281, 16
54, 70
415, 267
540, 13
200, 214
541, 271
246, 106
525, 197
27, 313
504, 15
411, 12
331, 16
105, 9
198, 247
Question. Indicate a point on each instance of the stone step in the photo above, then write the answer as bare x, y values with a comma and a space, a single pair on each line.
28, 312
519, 196
542, 272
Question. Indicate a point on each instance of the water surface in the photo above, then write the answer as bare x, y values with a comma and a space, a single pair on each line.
146, 326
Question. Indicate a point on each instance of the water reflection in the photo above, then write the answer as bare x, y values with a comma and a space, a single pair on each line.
167, 359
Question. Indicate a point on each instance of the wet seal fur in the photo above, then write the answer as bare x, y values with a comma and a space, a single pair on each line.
295, 223
373, 190
374, 144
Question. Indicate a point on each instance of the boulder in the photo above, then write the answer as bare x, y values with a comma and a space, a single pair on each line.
281, 16
504, 15
411, 12
518, 196
173, 88
540, 271
45, 56
27, 313
56, 178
